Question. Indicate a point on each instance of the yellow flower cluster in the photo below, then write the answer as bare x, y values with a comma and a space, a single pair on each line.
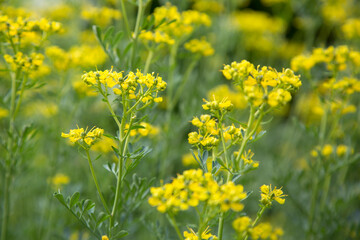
100, 16
273, 2
207, 135
133, 85
247, 158
345, 86
199, 46
205, 235
261, 231
327, 150
335, 58
20, 28
78, 56
146, 130
224, 105
80, 135
222, 91
193, 187
351, 28
261, 31
25, 63
156, 36
178, 24
268, 195
211, 6
264, 85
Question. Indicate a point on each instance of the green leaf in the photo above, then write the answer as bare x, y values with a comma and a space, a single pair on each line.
74, 199
60, 198
120, 234
108, 33
101, 218
117, 38
97, 32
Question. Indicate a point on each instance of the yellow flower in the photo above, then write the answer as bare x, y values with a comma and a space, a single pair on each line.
80, 135
268, 195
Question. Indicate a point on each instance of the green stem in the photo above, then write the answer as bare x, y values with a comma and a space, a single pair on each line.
312, 207
6, 207
172, 66
96, 181
136, 31
185, 79
246, 137
126, 21
148, 61
325, 190
121, 161
174, 224
23, 85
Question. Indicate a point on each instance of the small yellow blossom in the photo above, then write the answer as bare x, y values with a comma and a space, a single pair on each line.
268, 195
80, 135
327, 150
199, 46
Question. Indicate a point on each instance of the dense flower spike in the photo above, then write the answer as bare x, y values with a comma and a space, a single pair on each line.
81, 136
193, 187
262, 85
268, 195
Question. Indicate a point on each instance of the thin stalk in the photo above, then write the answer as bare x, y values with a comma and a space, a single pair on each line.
121, 158
185, 79
313, 207
6, 206
325, 190
22, 88
96, 181
174, 224
136, 31
148, 61
172, 66
246, 137
126, 21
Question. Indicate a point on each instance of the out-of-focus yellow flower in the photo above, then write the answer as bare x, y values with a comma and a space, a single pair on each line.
351, 28
104, 237
100, 16
241, 224
210, 6
82, 89
3, 113
335, 11
86, 56
60, 12
222, 91
261, 31
199, 46
45, 109
265, 231
104, 145
327, 150
59, 180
